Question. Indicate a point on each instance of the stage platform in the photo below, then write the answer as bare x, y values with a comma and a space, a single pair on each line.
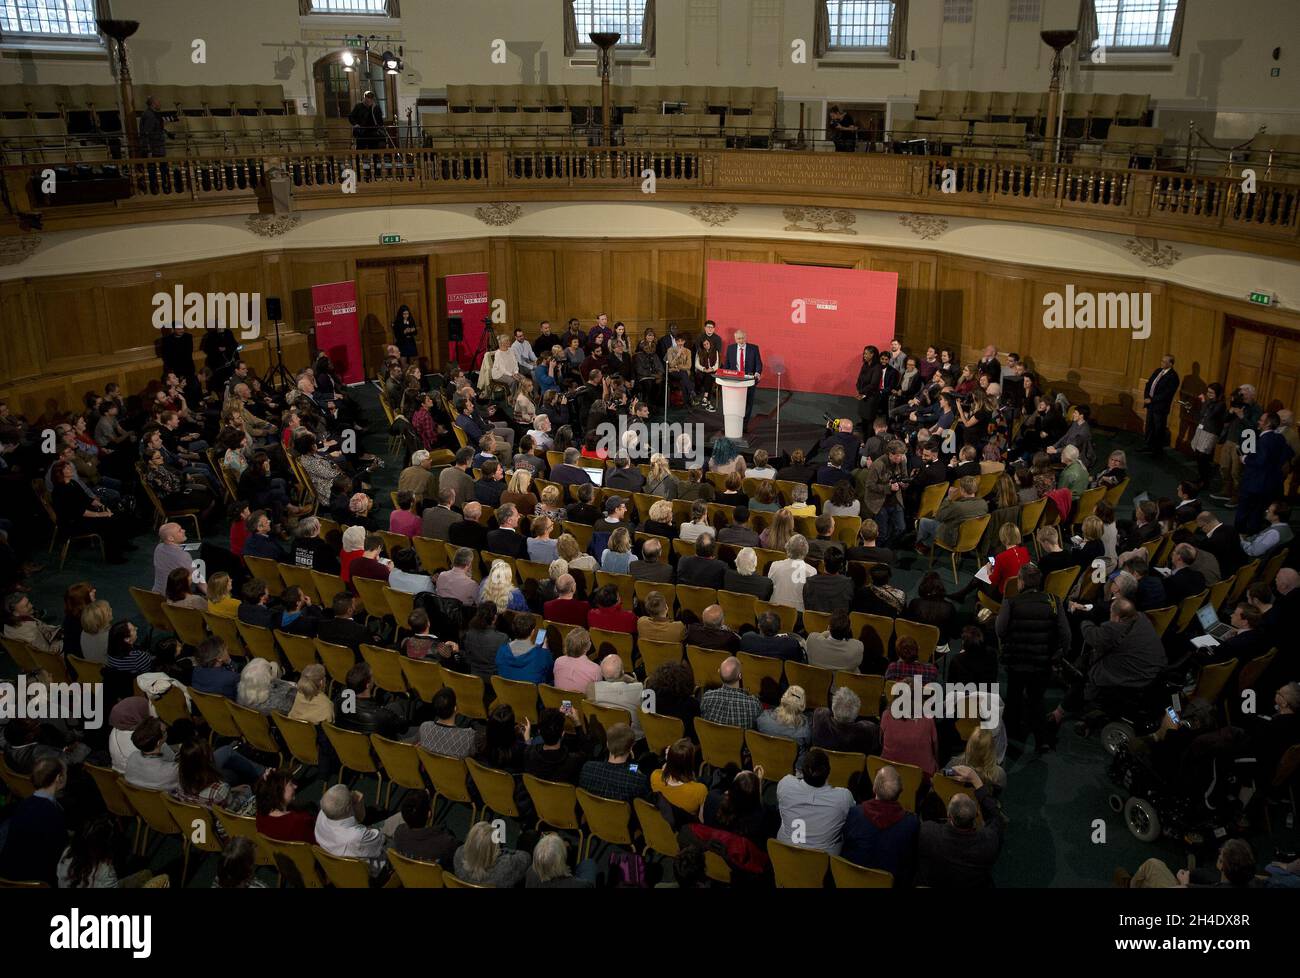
802, 416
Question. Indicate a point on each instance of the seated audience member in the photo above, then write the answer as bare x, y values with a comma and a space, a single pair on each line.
342, 628
614, 778
744, 580
213, 671
444, 734
812, 812
959, 853
522, 659
405, 575
880, 833
729, 704
618, 688
907, 735
789, 575
364, 712
838, 728
866, 549
574, 670
652, 566
541, 548
457, 582
310, 551
703, 568
608, 613
341, 829
676, 782
657, 624
417, 838
261, 688
311, 702
738, 533
565, 607
697, 525
278, 817
404, 519
769, 640
123, 654
835, 648
788, 719
908, 665
255, 608
711, 631
831, 590
550, 868
980, 755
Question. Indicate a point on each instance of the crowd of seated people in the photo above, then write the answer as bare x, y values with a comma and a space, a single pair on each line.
657, 592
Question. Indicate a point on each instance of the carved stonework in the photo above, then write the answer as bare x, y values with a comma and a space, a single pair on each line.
16, 250
499, 214
272, 225
1149, 251
923, 226
820, 219
714, 214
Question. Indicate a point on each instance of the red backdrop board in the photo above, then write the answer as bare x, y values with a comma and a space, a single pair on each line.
334, 307
842, 310
467, 297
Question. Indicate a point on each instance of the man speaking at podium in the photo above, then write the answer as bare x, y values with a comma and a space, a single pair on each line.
745, 358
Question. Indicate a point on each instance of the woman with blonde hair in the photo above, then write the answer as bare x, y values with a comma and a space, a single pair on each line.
660, 481
659, 521
96, 620
220, 600
519, 491
550, 869
312, 703
262, 689
980, 755
567, 547
1005, 493
525, 409
788, 719
617, 557
499, 588
776, 536
550, 504
482, 859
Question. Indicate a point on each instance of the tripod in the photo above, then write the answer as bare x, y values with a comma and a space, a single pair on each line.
277, 376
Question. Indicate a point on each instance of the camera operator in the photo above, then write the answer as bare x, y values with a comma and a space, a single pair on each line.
883, 491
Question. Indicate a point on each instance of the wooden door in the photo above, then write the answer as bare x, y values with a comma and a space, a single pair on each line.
382, 288
1267, 359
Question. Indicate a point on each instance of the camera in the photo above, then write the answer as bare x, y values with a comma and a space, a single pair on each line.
1237, 400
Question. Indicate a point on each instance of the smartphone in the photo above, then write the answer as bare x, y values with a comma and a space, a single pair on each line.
632, 767
993, 560
1173, 714
541, 638
566, 705
950, 772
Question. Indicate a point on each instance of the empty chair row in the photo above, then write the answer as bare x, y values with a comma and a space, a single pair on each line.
695, 98
44, 100
988, 106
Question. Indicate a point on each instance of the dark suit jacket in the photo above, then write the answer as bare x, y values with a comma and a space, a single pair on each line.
38, 834
709, 637
951, 858
1183, 584
826, 592
701, 571
437, 520
756, 584
753, 358
508, 542
344, 631
629, 480
1225, 544
1161, 394
739, 536
488, 492
644, 570
569, 475
467, 533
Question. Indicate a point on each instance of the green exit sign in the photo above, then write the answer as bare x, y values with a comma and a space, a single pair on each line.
390, 239
1263, 298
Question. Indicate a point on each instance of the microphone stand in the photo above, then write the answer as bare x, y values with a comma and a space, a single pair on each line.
666, 384
777, 450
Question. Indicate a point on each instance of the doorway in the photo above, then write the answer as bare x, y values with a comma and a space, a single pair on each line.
338, 89
1268, 358
382, 288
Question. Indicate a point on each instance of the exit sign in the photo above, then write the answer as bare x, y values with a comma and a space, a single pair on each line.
390, 239
1263, 298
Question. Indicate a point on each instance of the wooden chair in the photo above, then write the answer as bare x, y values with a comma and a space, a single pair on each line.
299, 650
776, 755
608, 820
815, 680
655, 654
755, 670
19, 785
423, 677
607, 716
696, 599
172, 706
620, 642
720, 744
796, 867
882, 626
263, 568
371, 592
186, 624
294, 861
737, 609
870, 690
556, 805
844, 764
925, 636
1060, 582
851, 876
450, 779
226, 629
553, 697
784, 613
337, 659
343, 872
259, 641
658, 834
85, 670
1213, 680
469, 693
106, 780
1161, 618
1187, 609
21, 653
151, 608
661, 731
215, 710
1116, 493
197, 829
386, 668
353, 749
300, 737
520, 696
705, 664
948, 788
152, 810
969, 534
300, 577
414, 873
931, 497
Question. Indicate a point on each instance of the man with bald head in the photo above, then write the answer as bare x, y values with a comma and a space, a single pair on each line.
729, 704
619, 688
711, 632
880, 833
469, 532
959, 853
169, 555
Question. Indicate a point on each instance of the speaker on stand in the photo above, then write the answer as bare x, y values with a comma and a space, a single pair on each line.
456, 335
277, 376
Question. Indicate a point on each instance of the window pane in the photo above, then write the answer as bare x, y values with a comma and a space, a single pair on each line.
623, 16
73, 18
860, 23
1135, 23
349, 6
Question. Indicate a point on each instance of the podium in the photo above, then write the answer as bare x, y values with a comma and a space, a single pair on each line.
735, 392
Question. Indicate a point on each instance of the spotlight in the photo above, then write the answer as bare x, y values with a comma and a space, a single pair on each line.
348, 60
392, 64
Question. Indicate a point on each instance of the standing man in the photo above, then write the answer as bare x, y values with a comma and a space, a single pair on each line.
1162, 387
843, 130
1263, 475
367, 123
153, 129
746, 358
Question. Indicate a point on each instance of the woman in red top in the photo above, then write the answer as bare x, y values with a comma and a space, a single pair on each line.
239, 527
910, 738
1007, 564
275, 819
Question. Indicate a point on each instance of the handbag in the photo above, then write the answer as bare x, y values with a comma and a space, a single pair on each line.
1203, 441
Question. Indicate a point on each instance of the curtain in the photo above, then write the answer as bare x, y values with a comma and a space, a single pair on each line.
648, 28
1087, 30
898, 31
821, 29
570, 29
304, 7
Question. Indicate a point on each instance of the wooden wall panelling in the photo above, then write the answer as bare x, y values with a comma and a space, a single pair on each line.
536, 287
302, 272
459, 258
409, 281
632, 289
21, 353
583, 281
679, 287
374, 312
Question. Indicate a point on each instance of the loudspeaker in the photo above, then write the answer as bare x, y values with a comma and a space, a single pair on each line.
273, 308
455, 329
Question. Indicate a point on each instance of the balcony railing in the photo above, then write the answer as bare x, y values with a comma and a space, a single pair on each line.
1154, 202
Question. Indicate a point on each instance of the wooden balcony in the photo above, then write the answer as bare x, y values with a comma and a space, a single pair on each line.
1208, 210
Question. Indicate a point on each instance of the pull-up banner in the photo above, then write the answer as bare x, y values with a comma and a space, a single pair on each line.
467, 297
334, 307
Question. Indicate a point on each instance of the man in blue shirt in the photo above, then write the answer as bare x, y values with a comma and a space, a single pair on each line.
38, 830
213, 673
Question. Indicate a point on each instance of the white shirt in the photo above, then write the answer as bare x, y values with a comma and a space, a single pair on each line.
347, 838
788, 577
767, 472
504, 365
409, 583
120, 749
740, 357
